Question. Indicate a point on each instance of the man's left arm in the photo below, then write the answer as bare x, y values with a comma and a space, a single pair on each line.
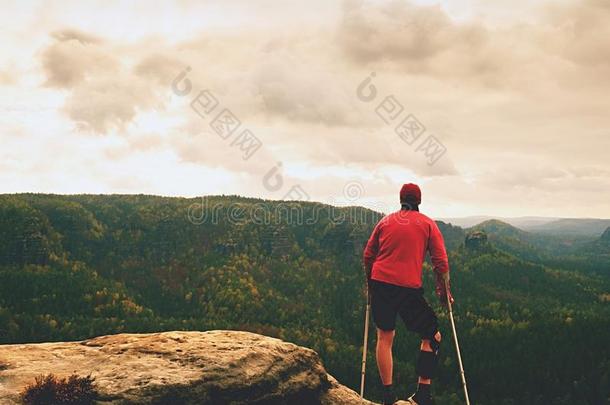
370, 251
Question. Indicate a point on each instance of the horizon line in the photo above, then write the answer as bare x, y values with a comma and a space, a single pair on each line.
490, 216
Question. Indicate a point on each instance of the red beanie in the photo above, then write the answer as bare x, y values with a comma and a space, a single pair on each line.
410, 193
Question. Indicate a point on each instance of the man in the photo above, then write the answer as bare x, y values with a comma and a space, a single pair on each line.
393, 260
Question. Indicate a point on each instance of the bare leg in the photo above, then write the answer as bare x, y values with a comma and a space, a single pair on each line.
384, 355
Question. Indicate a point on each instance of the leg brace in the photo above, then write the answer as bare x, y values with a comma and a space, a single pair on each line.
427, 362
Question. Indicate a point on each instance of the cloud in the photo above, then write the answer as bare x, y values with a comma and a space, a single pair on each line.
293, 91
75, 56
581, 32
418, 39
107, 103
367, 149
524, 175
159, 67
104, 94
146, 142
424, 40
520, 104
396, 30
72, 34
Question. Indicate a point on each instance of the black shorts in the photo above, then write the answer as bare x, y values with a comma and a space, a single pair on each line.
389, 300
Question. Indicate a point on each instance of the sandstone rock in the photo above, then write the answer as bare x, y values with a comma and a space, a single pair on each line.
180, 367
339, 394
476, 240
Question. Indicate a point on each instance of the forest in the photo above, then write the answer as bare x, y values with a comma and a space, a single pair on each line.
532, 310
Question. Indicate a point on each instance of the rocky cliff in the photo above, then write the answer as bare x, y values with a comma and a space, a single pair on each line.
180, 367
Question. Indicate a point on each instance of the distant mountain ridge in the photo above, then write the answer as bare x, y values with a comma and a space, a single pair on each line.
578, 227
519, 222
574, 227
510, 238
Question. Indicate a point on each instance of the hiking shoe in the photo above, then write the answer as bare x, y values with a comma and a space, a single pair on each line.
389, 397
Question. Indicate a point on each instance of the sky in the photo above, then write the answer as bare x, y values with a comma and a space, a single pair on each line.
493, 108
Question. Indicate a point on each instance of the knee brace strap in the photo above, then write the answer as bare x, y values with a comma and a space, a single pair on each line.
427, 363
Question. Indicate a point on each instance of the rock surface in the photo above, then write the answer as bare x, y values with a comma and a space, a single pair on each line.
180, 367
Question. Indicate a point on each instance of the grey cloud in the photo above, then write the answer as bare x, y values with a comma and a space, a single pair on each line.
424, 40
395, 30
103, 94
293, 92
160, 67
525, 175
581, 32
589, 172
72, 58
72, 34
108, 103
531, 177
419, 39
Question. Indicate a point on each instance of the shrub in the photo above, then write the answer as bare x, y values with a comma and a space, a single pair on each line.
51, 390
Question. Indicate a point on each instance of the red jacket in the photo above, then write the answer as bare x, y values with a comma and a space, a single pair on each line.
397, 248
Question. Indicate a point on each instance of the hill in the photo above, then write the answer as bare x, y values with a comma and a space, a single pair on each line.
570, 228
75, 267
519, 222
600, 248
583, 227
514, 240
500, 228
